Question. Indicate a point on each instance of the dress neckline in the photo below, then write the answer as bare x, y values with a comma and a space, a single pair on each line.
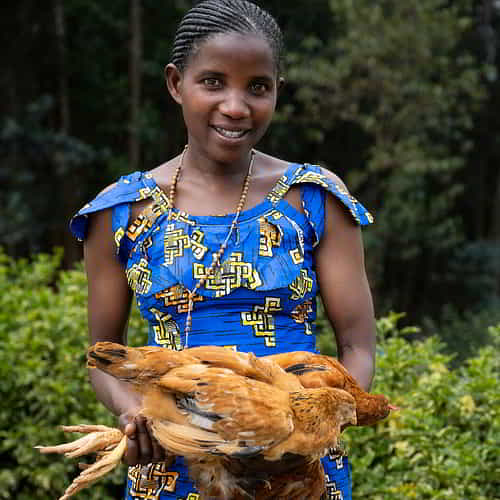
263, 206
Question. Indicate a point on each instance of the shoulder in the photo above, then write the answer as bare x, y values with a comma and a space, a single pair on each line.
316, 174
331, 177
270, 169
120, 194
162, 174
318, 181
127, 188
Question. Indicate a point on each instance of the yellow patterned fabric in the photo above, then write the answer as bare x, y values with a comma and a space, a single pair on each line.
262, 298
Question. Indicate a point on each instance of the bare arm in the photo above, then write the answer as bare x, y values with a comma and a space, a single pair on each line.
345, 292
108, 307
109, 304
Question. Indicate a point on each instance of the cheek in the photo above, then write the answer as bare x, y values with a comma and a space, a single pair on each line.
196, 104
263, 104
265, 109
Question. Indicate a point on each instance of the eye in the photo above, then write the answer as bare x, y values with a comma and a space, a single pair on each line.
212, 83
259, 88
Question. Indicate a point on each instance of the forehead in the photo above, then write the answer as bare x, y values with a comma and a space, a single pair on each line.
229, 52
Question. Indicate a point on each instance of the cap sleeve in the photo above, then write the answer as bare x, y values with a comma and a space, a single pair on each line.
314, 186
128, 189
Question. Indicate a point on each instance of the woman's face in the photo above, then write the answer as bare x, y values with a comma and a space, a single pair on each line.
228, 93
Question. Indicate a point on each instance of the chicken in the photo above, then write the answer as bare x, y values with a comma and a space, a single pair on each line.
223, 410
317, 370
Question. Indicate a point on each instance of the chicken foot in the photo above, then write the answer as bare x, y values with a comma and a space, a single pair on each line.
109, 443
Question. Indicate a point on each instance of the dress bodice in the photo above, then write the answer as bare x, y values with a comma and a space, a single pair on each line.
261, 298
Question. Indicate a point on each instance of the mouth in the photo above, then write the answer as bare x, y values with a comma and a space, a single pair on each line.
231, 134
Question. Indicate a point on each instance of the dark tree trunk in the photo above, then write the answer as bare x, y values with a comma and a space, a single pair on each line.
66, 182
63, 95
135, 78
495, 225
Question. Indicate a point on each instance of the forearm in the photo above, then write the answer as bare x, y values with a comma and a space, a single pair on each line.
117, 396
360, 363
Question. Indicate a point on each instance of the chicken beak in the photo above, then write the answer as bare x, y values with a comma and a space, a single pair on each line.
393, 408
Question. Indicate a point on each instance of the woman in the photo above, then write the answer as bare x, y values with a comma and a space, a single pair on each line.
224, 245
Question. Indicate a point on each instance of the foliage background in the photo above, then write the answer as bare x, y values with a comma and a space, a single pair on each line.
399, 98
443, 444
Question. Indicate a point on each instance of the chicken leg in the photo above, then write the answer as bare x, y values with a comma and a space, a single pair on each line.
110, 445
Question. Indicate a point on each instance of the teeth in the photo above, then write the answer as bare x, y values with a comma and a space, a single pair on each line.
231, 134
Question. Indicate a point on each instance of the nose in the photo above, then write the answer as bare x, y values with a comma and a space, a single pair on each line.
234, 106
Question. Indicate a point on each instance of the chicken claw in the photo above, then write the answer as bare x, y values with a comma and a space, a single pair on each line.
109, 443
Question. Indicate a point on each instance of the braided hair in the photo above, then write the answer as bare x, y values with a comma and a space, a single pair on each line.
213, 17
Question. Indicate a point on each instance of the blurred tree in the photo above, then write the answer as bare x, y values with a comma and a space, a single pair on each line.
482, 205
398, 77
399, 98
135, 82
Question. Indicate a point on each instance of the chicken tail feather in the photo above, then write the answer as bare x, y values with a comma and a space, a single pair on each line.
115, 359
136, 365
189, 441
302, 368
184, 440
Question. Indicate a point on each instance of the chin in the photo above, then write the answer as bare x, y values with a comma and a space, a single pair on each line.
230, 154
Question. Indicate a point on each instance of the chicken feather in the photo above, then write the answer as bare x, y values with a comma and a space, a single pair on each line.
317, 370
237, 404
219, 408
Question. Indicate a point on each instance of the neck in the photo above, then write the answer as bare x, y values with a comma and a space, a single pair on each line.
197, 163
371, 408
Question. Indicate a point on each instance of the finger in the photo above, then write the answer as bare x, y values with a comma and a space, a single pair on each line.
132, 454
158, 451
144, 440
130, 430
124, 419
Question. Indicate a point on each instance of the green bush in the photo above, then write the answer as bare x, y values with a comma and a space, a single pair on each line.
43, 379
443, 444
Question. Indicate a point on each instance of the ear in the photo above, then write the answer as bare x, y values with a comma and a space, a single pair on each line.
173, 79
281, 84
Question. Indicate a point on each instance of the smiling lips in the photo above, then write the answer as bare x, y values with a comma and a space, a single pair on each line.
231, 134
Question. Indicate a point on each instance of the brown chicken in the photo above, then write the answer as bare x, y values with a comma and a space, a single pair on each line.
223, 410
317, 370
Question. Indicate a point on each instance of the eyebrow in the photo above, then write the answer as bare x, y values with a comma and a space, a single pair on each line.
220, 74
211, 73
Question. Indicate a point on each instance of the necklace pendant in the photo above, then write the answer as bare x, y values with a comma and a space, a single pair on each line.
215, 270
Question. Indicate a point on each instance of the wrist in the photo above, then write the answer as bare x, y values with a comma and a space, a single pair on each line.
361, 365
116, 396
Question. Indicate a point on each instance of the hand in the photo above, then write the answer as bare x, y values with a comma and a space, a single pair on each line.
142, 447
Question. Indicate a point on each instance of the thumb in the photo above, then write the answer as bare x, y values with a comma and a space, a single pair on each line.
130, 430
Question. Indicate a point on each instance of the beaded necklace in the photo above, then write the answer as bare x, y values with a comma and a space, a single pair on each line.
216, 257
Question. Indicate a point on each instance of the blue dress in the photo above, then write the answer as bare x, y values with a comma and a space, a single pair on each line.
262, 299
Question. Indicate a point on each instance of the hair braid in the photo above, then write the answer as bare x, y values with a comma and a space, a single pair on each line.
212, 17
